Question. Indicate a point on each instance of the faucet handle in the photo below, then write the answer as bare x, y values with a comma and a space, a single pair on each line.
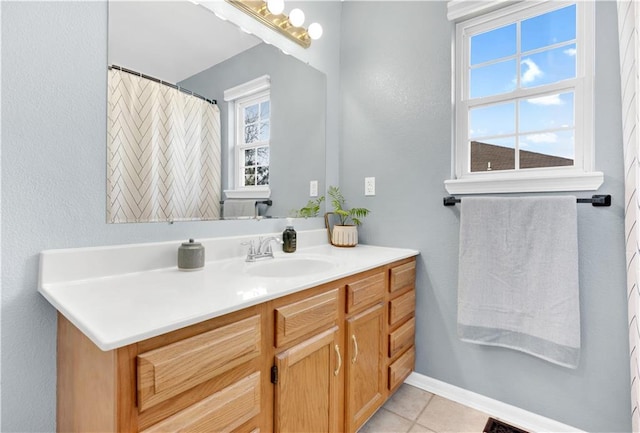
252, 246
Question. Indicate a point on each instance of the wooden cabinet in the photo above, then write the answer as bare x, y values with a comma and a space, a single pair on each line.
365, 390
401, 323
206, 377
321, 360
306, 388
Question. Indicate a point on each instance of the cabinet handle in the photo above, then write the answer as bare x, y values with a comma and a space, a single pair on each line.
337, 370
355, 349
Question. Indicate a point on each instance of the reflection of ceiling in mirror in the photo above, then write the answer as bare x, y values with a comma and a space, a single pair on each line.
171, 40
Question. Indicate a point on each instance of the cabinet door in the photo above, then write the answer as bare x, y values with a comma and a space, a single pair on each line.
306, 392
364, 366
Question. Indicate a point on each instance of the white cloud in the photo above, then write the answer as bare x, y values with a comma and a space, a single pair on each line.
546, 100
532, 73
570, 52
546, 137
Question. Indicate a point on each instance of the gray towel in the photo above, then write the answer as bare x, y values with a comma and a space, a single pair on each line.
518, 276
239, 208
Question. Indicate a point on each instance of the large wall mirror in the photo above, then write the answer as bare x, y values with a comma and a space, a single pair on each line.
186, 44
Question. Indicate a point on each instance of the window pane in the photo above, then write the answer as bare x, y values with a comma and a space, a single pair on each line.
547, 112
549, 66
497, 119
249, 176
263, 176
265, 108
250, 133
495, 154
249, 157
264, 131
493, 79
494, 44
548, 29
263, 156
251, 114
547, 149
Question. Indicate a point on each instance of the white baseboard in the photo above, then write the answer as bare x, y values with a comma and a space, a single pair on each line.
497, 409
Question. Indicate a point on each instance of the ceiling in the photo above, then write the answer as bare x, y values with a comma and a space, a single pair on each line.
171, 40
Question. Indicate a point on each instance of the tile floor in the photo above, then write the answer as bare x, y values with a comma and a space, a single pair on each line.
413, 410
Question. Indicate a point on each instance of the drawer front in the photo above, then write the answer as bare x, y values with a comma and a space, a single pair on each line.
303, 317
403, 276
175, 368
223, 411
401, 368
402, 338
365, 292
402, 307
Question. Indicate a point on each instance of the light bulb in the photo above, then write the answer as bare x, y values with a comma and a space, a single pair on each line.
315, 31
296, 17
276, 7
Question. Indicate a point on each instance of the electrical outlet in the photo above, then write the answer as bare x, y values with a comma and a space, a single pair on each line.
313, 188
369, 186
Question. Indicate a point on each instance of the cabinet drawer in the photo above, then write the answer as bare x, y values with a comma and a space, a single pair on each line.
402, 338
175, 368
402, 276
401, 368
223, 411
402, 307
365, 292
305, 316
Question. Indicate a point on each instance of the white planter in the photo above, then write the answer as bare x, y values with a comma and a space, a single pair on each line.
341, 236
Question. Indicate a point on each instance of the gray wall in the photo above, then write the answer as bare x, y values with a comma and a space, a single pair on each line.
298, 108
54, 87
396, 126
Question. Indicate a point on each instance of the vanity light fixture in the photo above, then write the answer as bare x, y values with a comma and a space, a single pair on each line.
271, 14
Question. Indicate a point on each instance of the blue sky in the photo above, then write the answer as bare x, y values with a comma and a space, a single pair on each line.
547, 55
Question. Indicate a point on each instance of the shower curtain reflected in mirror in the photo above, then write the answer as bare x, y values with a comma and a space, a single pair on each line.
163, 152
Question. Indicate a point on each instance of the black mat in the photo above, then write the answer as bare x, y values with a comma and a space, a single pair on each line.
495, 426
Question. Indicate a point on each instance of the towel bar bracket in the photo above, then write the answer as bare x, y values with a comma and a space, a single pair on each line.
595, 200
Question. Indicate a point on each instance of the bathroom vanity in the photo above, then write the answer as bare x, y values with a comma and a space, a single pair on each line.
306, 353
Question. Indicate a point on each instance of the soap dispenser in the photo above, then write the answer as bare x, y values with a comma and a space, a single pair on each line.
289, 238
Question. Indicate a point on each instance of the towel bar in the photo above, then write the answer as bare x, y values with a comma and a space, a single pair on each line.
595, 200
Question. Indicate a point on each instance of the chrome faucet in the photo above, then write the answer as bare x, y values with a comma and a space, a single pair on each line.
262, 250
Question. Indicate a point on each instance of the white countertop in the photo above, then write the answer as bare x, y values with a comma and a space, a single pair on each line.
120, 309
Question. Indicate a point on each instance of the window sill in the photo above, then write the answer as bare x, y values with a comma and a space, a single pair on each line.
496, 183
248, 193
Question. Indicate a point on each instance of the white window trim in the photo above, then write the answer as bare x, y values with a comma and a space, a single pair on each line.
580, 177
231, 96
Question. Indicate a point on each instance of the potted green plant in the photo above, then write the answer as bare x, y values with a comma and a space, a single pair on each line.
344, 234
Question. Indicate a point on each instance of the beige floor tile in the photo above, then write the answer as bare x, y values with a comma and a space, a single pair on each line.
445, 416
386, 422
408, 401
417, 428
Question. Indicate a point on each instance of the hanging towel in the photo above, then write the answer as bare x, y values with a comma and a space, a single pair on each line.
518, 276
239, 208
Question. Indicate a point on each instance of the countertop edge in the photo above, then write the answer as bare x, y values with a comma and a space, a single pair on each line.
105, 343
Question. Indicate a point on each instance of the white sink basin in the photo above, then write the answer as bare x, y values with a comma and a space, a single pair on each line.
288, 267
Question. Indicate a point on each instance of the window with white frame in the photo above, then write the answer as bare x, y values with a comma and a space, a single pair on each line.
249, 137
523, 100
252, 140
